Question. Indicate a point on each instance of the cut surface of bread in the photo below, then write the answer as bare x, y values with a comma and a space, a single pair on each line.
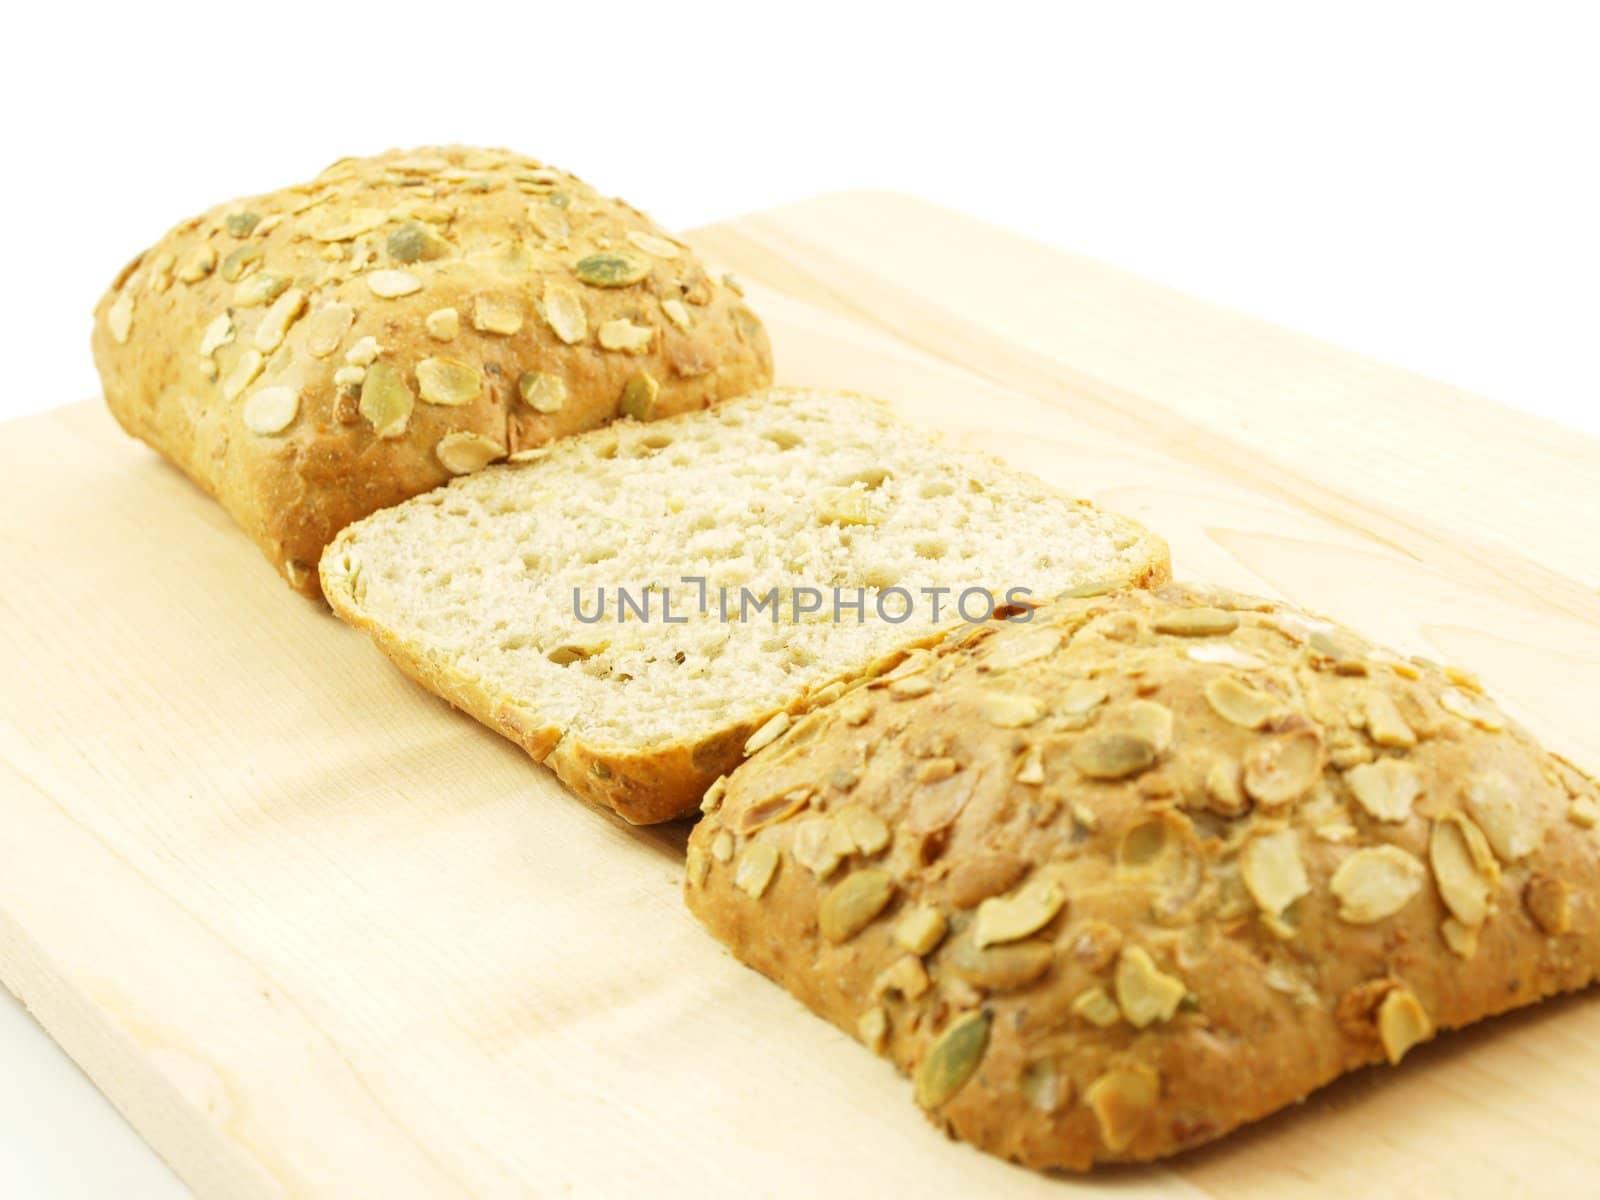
488, 591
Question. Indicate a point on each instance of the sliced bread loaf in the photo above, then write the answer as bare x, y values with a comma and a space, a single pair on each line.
609, 604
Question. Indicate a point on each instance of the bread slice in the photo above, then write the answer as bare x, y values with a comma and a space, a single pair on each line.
481, 590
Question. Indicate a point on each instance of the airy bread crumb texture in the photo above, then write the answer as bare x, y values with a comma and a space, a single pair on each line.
483, 581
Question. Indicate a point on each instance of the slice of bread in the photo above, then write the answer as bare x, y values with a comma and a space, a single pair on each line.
486, 590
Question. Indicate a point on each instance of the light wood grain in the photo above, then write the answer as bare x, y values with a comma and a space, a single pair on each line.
317, 935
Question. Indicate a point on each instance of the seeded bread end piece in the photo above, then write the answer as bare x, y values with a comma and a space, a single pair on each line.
1156, 864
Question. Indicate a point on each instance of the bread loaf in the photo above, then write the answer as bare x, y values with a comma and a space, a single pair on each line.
1114, 881
317, 353
485, 590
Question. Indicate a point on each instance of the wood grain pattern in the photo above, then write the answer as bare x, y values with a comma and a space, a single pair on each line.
317, 935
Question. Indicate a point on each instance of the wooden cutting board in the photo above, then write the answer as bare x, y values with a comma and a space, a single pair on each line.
318, 935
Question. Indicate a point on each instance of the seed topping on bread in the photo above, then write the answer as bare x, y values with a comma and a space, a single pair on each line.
1189, 889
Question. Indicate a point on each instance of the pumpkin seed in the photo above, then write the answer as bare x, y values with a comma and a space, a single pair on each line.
1197, 622
1462, 939
275, 322
1144, 719
271, 410
920, 929
1385, 724
769, 732
906, 975
1031, 767
865, 829
386, 401
639, 395
816, 846
1121, 1100
542, 392
1549, 903
1145, 993
364, 353
696, 867
1386, 789
1042, 1086
1494, 803
624, 336
952, 1059
238, 261
391, 285
757, 865
1001, 968
1272, 871
218, 334
1376, 882
612, 268
1112, 755
977, 878
497, 314
1282, 769
1472, 708
563, 311
909, 687
119, 317
677, 313
1463, 867
1007, 653
651, 244
1096, 1006
464, 452
443, 324
344, 227
1078, 703
240, 224
853, 903
446, 381
1236, 702
199, 264
1006, 710
326, 328
1224, 791
1021, 914
774, 809
405, 244
712, 800
260, 289
1339, 650
1223, 654
243, 374
1402, 1023
873, 1029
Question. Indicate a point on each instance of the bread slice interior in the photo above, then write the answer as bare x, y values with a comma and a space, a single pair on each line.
488, 590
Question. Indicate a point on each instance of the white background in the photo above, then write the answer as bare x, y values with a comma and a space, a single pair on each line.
1418, 183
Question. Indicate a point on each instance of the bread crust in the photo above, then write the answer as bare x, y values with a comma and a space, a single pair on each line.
1182, 878
334, 287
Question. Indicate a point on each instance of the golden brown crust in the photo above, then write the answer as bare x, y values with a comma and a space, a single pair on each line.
395, 302
1152, 865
